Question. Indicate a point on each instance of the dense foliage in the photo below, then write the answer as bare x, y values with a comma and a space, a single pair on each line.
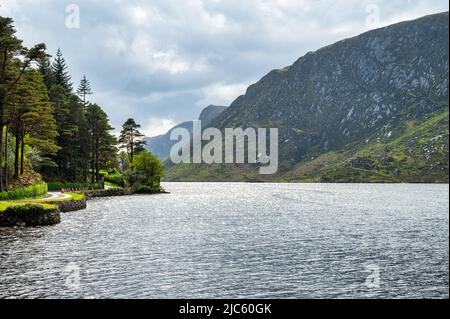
145, 173
58, 186
44, 125
113, 177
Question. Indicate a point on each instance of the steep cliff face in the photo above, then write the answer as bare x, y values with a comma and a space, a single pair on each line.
352, 89
364, 90
161, 145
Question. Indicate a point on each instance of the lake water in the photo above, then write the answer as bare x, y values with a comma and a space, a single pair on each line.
239, 241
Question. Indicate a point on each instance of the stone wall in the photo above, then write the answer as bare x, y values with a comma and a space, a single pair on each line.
107, 192
71, 205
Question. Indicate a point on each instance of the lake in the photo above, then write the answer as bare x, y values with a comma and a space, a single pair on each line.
232, 240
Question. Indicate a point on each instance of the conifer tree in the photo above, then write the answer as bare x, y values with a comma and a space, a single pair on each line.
61, 76
84, 89
42, 122
45, 68
101, 140
39, 128
131, 139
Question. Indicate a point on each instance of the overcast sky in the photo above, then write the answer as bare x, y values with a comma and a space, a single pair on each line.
163, 61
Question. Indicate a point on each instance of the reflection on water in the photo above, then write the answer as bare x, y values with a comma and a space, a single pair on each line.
239, 241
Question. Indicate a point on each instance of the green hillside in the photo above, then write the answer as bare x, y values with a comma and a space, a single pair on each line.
418, 155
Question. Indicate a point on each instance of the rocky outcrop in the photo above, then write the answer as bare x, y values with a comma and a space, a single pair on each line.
71, 205
364, 163
30, 216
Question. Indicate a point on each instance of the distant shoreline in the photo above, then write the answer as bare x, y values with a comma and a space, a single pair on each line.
304, 183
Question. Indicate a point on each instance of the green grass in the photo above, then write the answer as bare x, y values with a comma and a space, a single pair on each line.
34, 191
41, 201
6, 204
75, 196
109, 184
114, 178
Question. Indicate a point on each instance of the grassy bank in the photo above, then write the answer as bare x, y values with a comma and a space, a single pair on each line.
30, 215
4, 205
34, 191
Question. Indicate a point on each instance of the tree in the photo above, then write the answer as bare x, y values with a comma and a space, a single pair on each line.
147, 169
72, 159
43, 123
84, 89
124, 161
39, 129
131, 139
101, 141
12, 55
75, 140
32, 120
45, 68
61, 76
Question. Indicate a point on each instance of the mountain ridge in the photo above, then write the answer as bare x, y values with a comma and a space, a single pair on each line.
161, 145
365, 87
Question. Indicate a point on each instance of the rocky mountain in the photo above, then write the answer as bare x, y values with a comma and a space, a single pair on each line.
370, 108
161, 145
210, 113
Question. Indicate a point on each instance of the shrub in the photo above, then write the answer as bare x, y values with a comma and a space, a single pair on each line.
107, 192
33, 191
57, 186
29, 210
116, 179
30, 215
149, 190
146, 171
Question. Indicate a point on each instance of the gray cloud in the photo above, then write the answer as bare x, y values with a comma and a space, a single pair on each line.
161, 61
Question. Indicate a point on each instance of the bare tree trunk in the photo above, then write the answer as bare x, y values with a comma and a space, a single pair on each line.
22, 150
132, 148
97, 156
84, 158
6, 158
2, 104
93, 165
16, 153
74, 169
1, 150
92, 170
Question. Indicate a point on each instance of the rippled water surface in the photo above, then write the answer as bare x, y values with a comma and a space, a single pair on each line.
239, 241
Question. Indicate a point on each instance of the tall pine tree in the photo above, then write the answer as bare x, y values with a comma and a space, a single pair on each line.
84, 89
131, 138
61, 76
102, 142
